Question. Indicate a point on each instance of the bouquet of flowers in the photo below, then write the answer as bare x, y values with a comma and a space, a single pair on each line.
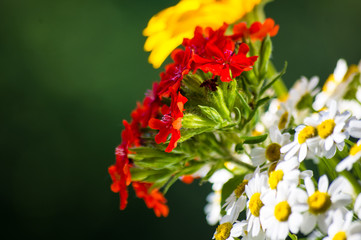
283, 163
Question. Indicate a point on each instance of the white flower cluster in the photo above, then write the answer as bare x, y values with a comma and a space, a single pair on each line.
281, 197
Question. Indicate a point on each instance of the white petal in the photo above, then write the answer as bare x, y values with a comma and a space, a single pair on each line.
308, 223
295, 222
323, 183
310, 188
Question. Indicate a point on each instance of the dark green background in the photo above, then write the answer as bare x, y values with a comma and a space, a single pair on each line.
71, 70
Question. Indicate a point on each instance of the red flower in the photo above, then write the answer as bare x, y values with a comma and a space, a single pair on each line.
257, 30
225, 60
171, 121
172, 77
203, 37
120, 174
152, 198
148, 109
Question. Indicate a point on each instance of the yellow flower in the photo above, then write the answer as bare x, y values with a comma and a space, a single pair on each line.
166, 30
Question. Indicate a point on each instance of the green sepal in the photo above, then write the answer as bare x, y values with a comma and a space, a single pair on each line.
191, 120
254, 139
191, 132
220, 104
246, 108
230, 93
211, 113
265, 54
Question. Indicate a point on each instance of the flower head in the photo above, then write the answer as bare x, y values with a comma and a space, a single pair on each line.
171, 121
152, 198
166, 30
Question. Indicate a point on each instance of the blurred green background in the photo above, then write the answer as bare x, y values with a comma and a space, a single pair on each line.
71, 70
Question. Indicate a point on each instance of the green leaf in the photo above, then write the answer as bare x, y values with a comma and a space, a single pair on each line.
292, 236
149, 152
254, 139
230, 186
262, 101
239, 148
274, 80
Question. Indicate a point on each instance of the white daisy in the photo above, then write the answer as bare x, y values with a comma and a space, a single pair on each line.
343, 228
278, 114
331, 130
357, 206
301, 95
279, 215
334, 87
321, 203
245, 234
227, 230
350, 105
255, 189
354, 128
285, 171
236, 202
272, 152
304, 140
354, 156
213, 208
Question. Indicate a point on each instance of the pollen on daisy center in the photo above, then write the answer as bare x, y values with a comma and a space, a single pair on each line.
273, 152
340, 236
255, 204
319, 202
223, 231
283, 120
282, 211
240, 188
274, 178
325, 129
355, 149
305, 133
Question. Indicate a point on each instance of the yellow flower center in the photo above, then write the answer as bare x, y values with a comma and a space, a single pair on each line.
274, 178
223, 231
282, 211
340, 236
305, 133
240, 188
255, 204
319, 202
283, 121
273, 152
355, 149
325, 129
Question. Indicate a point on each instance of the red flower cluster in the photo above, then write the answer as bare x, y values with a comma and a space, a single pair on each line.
257, 31
210, 51
152, 198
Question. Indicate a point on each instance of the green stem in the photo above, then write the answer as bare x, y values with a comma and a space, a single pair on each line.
240, 163
349, 142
